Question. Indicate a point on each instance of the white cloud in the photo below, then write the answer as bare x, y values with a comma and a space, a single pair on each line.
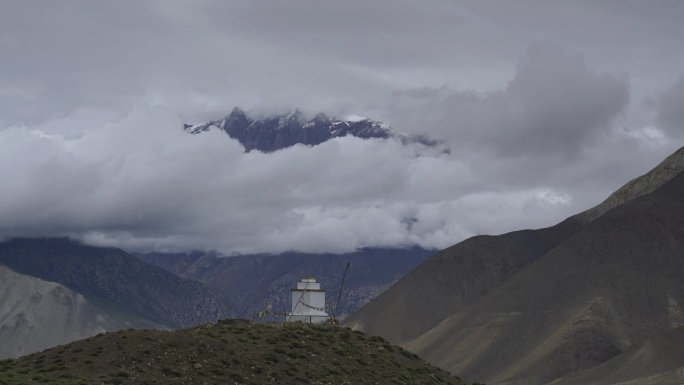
143, 183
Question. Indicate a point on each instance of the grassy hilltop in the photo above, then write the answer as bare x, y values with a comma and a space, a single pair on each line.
227, 354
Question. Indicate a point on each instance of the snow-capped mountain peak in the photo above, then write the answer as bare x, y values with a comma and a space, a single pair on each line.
278, 132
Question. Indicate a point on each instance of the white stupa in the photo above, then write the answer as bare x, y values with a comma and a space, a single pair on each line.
308, 303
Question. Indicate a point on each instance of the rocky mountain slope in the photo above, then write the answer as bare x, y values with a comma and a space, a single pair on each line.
277, 132
613, 285
116, 281
36, 314
227, 354
251, 282
452, 279
657, 361
534, 306
647, 183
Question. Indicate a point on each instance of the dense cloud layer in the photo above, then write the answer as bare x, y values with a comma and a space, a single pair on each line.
92, 101
141, 182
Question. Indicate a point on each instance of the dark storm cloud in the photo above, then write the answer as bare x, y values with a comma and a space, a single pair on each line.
203, 57
58, 56
553, 106
207, 55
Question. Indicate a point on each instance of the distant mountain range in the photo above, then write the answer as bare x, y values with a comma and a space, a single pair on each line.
251, 282
57, 290
53, 291
597, 299
36, 314
281, 131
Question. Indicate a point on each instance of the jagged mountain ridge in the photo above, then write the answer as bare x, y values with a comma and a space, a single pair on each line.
281, 131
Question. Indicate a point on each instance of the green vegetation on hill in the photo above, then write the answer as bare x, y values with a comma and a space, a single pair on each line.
227, 353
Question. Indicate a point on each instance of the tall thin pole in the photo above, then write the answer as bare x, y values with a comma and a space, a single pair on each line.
339, 295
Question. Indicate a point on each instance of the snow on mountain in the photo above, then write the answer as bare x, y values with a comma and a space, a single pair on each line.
278, 132
355, 118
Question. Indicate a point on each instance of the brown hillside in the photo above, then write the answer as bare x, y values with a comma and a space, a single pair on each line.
453, 279
458, 276
655, 362
615, 284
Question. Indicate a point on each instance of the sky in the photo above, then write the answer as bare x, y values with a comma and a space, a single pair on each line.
545, 107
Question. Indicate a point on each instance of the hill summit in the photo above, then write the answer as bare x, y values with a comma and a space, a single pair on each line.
227, 353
